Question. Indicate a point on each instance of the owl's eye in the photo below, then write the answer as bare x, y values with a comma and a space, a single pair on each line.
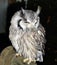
26, 22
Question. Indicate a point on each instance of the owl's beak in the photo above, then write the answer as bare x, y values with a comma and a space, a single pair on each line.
30, 25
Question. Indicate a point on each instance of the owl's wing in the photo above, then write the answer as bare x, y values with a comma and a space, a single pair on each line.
41, 38
41, 30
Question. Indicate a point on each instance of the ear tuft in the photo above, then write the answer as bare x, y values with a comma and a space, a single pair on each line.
38, 10
22, 10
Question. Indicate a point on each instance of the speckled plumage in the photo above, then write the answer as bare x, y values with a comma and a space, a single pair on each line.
27, 35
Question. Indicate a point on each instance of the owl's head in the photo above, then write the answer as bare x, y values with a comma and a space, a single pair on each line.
27, 19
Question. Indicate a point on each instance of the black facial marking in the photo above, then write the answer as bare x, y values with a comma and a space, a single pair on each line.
35, 23
19, 23
19, 20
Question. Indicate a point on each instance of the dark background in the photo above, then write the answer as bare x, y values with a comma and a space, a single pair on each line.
48, 17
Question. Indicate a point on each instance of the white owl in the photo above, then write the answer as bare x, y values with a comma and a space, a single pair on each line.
27, 35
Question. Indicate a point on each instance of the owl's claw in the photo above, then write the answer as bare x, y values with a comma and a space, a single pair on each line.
18, 54
28, 61
25, 60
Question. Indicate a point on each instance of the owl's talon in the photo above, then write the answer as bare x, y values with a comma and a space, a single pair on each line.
25, 60
29, 62
18, 54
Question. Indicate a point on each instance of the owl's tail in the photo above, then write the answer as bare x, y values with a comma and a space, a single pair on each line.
39, 56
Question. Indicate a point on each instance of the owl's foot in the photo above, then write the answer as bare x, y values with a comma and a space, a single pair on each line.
18, 54
25, 60
28, 61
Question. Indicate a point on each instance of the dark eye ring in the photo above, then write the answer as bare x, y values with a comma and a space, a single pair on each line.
19, 20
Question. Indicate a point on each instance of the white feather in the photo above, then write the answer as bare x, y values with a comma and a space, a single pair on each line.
28, 40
